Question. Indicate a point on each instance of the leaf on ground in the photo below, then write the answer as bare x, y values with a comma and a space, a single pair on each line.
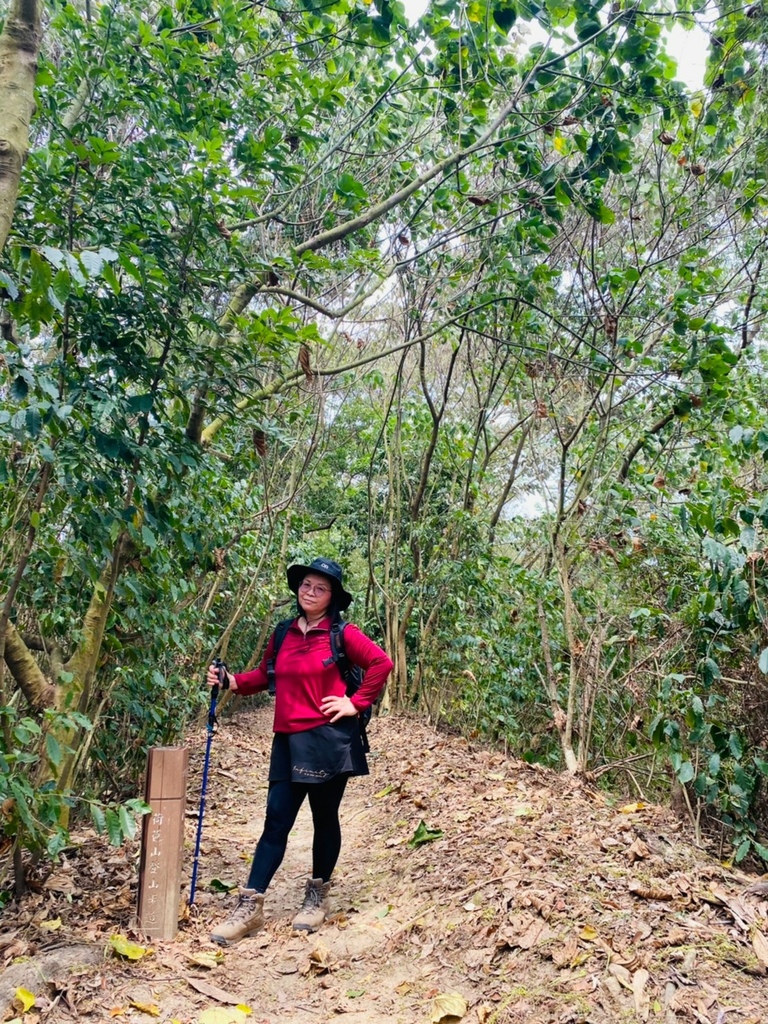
637, 851
51, 926
447, 1007
130, 950
622, 975
648, 892
537, 933
588, 933
23, 1000
213, 991
151, 1008
404, 988
320, 959
633, 808
760, 946
425, 834
564, 954
642, 999
219, 1015
218, 885
207, 958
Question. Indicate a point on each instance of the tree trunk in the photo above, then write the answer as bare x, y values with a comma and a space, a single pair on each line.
19, 48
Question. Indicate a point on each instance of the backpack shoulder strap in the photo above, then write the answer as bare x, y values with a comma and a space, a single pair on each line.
280, 630
351, 674
337, 641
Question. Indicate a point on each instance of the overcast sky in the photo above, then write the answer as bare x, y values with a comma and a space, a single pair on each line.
688, 48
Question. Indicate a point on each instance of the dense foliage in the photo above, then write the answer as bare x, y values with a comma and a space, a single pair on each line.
478, 315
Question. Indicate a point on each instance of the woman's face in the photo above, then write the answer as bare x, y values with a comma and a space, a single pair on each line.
315, 594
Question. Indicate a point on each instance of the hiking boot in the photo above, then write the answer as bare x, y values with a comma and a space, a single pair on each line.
315, 908
246, 919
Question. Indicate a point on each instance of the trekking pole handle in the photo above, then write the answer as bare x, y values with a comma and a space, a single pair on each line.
223, 683
223, 673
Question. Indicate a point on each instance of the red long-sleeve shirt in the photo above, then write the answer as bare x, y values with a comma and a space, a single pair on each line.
303, 679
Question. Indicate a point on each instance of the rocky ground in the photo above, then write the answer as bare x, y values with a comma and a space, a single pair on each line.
531, 901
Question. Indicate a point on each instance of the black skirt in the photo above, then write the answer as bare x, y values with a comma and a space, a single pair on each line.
319, 754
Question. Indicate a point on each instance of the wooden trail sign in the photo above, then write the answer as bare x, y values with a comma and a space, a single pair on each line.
162, 842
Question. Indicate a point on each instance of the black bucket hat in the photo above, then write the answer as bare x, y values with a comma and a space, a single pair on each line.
325, 567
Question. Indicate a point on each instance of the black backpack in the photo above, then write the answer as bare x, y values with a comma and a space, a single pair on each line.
351, 674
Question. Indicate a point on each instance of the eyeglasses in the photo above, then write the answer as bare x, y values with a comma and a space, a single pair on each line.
317, 588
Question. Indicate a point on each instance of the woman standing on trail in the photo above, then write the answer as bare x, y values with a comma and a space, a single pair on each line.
317, 742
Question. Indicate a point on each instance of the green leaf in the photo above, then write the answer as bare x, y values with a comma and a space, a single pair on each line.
98, 819
686, 772
742, 850
53, 749
114, 830
92, 262
505, 17
130, 950
218, 885
348, 186
762, 663
19, 389
7, 282
127, 822
424, 834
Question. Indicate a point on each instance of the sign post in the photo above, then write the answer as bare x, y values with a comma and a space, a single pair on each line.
162, 842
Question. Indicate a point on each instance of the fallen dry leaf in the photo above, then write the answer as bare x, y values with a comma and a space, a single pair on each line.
637, 851
149, 1008
642, 999
213, 991
447, 1007
320, 960
622, 975
219, 1015
760, 946
648, 891
207, 958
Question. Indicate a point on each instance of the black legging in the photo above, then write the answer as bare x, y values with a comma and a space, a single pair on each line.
283, 802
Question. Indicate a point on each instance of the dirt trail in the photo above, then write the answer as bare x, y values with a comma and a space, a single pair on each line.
541, 904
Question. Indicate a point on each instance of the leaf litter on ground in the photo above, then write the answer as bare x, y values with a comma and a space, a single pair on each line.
541, 903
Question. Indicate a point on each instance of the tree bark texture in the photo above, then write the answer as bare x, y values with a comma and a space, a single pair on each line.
19, 48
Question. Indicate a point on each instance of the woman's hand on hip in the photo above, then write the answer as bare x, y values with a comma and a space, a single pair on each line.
338, 707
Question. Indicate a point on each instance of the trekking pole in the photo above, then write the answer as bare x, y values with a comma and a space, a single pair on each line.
224, 684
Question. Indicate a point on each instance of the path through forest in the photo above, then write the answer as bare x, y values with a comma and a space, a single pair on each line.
544, 902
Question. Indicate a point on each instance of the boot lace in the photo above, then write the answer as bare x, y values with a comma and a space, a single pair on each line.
313, 897
245, 908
